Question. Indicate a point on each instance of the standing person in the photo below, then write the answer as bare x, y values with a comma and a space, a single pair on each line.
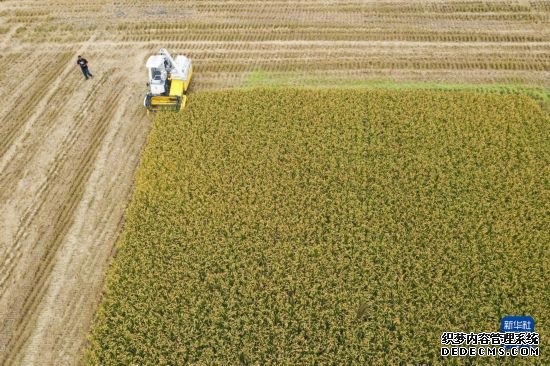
83, 63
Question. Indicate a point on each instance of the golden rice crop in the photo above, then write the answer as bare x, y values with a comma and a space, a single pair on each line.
330, 227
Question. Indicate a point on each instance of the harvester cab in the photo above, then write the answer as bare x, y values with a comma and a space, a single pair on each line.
168, 82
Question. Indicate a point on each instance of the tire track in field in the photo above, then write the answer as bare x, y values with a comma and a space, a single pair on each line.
21, 78
47, 214
9, 145
21, 163
39, 194
8, 36
67, 308
19, 115
61, 222
11, 85
58, 105
10, 259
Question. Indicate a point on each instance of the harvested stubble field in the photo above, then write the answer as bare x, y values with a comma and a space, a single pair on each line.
68, 149
451, 41
330, 227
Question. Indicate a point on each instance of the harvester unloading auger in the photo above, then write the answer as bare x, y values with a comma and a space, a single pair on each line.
168, 82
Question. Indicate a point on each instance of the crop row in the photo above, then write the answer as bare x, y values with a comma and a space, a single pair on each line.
419, 7
336, 35
253, 33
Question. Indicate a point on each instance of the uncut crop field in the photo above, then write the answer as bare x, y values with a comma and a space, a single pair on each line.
330, 227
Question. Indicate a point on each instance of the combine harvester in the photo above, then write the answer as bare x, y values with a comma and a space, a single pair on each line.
168, 82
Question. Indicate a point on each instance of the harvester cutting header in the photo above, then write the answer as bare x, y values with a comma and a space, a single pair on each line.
168, 81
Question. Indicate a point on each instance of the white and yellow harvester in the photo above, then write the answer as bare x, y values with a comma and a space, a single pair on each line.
168, 82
